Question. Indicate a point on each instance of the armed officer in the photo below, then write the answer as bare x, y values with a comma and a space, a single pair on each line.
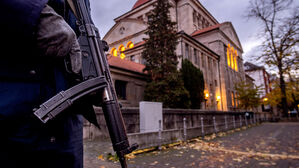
38, 42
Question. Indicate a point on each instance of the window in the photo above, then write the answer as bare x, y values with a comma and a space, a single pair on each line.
122, 30
194, 17
233, 99
120, 88
113, 52
186, 50
232, 58
121, 49
203, 22
199, 21
132, 58
130, 44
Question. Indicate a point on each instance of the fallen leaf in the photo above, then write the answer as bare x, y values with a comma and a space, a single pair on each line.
101, 157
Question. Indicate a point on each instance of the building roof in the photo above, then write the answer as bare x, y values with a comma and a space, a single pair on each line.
125, 64
139, 3
252, 67
207, 29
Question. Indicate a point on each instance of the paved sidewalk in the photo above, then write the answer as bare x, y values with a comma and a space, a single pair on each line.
273, 145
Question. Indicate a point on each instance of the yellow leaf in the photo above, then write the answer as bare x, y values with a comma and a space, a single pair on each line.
101, 157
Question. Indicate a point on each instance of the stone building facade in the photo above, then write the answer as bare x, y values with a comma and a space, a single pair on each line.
211, 46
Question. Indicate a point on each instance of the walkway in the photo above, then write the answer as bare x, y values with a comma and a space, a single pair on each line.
273, 145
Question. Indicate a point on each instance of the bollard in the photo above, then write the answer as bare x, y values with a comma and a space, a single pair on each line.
250, 117
185, 130
246, 120
160, 135
254, 119
202, 128
234, 122
225, 120
240, 120
215, 126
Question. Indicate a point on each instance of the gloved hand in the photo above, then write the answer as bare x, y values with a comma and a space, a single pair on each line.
56, 39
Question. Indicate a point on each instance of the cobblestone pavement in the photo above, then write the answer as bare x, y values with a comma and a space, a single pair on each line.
273, 145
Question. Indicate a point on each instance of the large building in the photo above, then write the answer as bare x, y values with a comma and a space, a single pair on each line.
211, 46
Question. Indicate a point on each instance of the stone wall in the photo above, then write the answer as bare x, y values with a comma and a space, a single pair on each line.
173, 125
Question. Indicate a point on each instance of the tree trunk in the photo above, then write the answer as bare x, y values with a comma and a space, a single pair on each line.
283, 92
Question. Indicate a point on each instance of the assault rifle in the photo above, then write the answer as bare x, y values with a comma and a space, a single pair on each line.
96, 79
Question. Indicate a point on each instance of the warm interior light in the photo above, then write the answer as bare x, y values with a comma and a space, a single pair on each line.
232, 55
122, 56
218, 98
113, 52
130, 44
236, 65
121, 48
265, 99
228, 56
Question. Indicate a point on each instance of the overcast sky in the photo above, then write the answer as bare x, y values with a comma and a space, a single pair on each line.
103, 13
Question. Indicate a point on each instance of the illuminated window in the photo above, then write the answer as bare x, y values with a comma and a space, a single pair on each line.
232, 57
122, 56
113, 52
228, 55
121, 49
130, 44
233, 99
236, 61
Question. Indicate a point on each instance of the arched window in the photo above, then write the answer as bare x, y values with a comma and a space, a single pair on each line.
113, 52
130, 44
121, 49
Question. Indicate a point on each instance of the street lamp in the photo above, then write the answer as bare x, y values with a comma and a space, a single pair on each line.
206, 96
265, 99
218, 98
206, 99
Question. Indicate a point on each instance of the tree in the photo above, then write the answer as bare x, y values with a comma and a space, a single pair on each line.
281, 36
170, 91
248, 95
292, 93
165, 83
193, 82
